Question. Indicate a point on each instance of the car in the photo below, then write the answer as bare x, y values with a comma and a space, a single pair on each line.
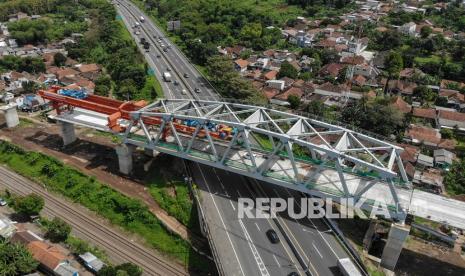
137, 33
186, 75
272, 236
247, 155
162, 45
176, 82
197, 90
168, 69
147, 50
158, 56
169, 46
155, 36
293, 273
165, 50
2, 202
184, 92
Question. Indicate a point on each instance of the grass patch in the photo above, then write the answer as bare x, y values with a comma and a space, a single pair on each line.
128, 213
23, 122
172, 194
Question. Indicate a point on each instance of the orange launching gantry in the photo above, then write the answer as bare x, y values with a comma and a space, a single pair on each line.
116, 109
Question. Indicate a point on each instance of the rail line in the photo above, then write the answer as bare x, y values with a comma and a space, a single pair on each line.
148, 264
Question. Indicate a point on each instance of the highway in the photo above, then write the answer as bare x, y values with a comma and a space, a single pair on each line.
86, 225
242, 244
161, 61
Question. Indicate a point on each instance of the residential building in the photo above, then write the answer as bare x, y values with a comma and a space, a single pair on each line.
443, 158
408, 29
451, 119
7, 228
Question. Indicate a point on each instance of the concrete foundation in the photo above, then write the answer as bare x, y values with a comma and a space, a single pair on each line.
124, 153
67, 133
11, 115
397, 236
151, 152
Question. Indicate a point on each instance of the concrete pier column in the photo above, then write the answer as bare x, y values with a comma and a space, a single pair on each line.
11, 115
124, 153
151, 152
397, 236
67, 133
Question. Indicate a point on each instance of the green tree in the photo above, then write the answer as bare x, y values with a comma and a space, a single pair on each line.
425, 31
316, 107
455, 178
394, 64
122, 269
57, 230
294, 101
15, 259
59, 59
424, 93
287, 70
28, 205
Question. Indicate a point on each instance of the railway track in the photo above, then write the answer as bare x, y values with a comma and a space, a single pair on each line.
96, 232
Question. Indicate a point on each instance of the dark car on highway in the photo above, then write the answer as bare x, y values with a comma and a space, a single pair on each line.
272, 236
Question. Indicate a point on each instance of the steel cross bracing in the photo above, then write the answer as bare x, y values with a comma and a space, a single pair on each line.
274, 146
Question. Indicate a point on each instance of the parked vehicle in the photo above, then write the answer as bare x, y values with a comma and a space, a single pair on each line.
142, 19
2, 202
347, 267
197, 90
184, 92
176, 82
272, 236
186, 75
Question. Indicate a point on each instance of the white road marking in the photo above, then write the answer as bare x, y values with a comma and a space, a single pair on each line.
276, 260
258, 258
232, 205
317, 251
221, 218
257, 227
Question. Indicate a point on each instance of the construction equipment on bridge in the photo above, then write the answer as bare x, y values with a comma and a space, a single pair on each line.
67, 99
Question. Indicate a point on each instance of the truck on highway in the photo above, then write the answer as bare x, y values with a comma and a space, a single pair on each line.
142, 19
167, 76
347, 267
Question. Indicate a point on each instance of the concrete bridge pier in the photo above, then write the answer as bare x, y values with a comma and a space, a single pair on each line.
397, 236
124, 152
11, 115
67, 133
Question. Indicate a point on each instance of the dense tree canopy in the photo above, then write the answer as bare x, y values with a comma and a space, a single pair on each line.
57, 230
455, 178
15, 259
375, 115
28, 205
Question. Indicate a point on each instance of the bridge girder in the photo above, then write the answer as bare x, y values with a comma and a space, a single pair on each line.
271, 145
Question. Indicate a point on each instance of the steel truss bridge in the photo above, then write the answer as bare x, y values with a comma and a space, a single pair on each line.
296, 152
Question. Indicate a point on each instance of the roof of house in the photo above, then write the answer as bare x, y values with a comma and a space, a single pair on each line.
410, 153
331, 69
401, 105
419, 133
446, 83
241, 63
410, 72
296, 91
327, 86
428, 113
326, 43
66, 72
271, 75
24, 237
359, 80
270, 92
449, 144
403, 86
48, 255
451, 115
86, 68
450, 93
354, 60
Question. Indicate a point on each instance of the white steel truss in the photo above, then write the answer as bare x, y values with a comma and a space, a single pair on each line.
274, 146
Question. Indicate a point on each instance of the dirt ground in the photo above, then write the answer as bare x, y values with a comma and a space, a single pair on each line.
417, 258
94, 154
